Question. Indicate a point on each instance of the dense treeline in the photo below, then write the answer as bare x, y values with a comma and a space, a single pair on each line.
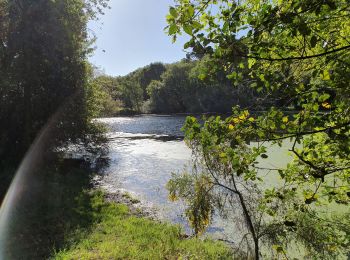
175, 88
43, 70
45, 80
45, 95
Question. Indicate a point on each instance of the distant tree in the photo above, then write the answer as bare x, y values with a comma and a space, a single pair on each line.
184, 88
109, 85
151, 72
106, 96
131, 94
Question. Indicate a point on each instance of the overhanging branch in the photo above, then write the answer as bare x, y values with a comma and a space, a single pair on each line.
297, 57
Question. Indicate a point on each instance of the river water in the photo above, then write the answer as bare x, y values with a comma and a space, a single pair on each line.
144, 152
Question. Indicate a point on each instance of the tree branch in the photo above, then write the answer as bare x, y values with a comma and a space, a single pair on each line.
297, 57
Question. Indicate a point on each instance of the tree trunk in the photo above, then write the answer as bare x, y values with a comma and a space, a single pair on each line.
249, 222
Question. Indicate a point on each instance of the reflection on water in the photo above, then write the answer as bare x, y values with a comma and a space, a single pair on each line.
144, 152
148, 124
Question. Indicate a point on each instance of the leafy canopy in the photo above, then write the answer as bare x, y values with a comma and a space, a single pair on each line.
298, 52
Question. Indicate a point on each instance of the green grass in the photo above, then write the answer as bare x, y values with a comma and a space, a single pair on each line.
62, 217
117, 234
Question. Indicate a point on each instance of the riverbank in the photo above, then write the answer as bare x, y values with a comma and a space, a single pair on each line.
120, 232
132, 113
64, 216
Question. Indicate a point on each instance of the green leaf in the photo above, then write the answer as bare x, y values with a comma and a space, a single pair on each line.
222, 155
173, 29
173, 12
233, 75
202, 76
251, 62
254, 85
188, 29
323, 97
197, 25
169, 18
190, 11
187, 45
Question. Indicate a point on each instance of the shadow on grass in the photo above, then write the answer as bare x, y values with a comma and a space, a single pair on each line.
50, 210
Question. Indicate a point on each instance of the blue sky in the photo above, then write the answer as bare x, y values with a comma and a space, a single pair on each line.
130, 35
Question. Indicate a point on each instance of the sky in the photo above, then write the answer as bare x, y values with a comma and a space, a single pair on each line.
131, 35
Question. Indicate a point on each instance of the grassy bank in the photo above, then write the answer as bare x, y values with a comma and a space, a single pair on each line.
61, 216
117, 234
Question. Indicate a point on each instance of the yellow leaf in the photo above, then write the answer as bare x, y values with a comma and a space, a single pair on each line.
285, 119
244, 115
326, 75
236, 120
172, 197
251, 119
326, 105
231, 127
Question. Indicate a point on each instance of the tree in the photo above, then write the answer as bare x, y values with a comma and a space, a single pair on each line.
180, 89
297, 51
131, 94
149, 73
43, 69
175, 88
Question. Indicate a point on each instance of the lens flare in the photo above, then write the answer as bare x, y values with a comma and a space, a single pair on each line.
24, 185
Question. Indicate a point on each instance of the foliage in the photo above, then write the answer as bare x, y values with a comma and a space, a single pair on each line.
131, 94
43, 72
176, 88
147, 74
106, 96
296, 52
168, 94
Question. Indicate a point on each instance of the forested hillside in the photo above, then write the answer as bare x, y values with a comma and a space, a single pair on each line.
179, 87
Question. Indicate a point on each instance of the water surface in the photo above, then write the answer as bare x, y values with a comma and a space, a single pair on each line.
144, 152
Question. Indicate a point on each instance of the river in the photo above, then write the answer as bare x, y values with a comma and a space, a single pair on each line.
144, 151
